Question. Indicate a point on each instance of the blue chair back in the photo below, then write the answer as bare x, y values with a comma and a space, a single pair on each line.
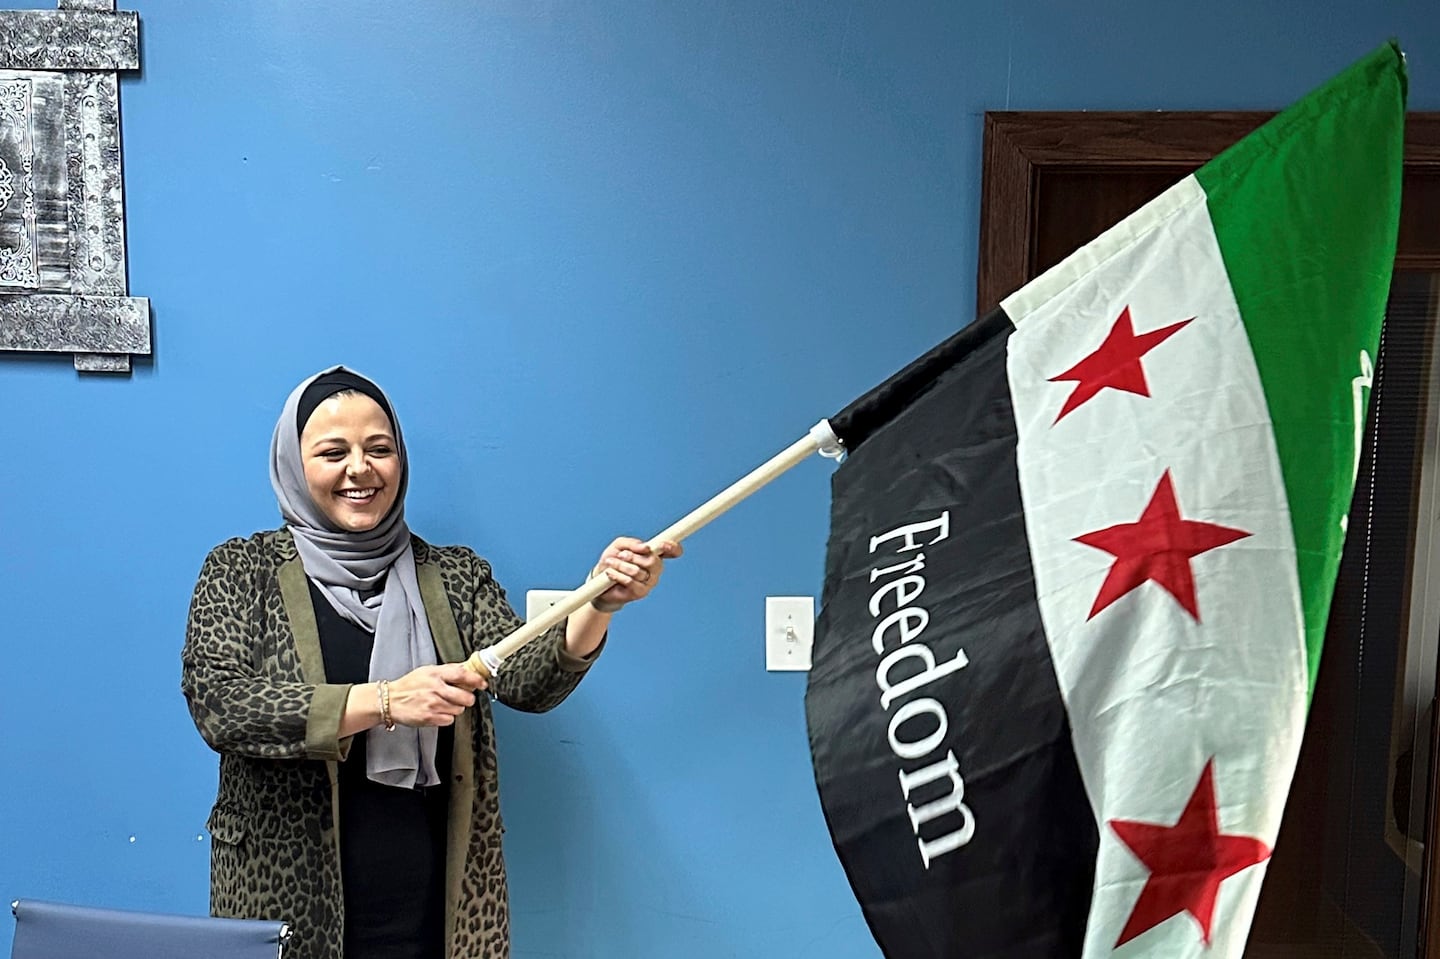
50, 930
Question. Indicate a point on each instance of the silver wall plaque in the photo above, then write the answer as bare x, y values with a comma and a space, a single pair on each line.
63, 286
69, 40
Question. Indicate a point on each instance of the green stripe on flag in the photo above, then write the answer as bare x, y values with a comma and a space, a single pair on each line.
1306, 210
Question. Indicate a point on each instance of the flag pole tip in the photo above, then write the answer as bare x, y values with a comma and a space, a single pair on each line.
826, 442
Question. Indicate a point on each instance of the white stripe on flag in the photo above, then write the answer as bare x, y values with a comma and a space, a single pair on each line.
1153, 695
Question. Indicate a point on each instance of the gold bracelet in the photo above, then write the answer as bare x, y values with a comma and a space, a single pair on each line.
383, 692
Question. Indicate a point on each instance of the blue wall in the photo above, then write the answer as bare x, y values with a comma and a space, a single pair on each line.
606, 257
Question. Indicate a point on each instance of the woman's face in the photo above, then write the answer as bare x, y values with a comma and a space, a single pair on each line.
352, 465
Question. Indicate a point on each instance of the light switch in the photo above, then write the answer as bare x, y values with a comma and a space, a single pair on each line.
789, 632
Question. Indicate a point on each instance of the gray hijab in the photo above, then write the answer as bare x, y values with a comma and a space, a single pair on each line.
347, 566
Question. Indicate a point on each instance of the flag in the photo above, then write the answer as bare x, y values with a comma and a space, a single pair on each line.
1081, 558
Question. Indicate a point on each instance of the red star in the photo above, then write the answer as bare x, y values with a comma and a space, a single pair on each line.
1115, 363
1187, 862
1157, 547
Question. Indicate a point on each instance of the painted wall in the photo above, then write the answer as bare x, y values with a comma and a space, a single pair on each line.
606, 257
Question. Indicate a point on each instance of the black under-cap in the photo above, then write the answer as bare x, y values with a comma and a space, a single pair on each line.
337, 381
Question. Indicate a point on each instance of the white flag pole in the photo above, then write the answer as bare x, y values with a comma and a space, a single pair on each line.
820, 439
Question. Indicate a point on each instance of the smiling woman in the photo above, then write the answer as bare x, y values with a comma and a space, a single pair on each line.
351, 466
324, 661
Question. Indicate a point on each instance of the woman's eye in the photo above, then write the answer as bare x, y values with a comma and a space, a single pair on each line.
333, 455
381, 451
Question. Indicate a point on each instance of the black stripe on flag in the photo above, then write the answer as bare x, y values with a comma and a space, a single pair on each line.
944, 760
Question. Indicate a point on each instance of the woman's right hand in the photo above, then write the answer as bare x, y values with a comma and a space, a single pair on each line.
433, 695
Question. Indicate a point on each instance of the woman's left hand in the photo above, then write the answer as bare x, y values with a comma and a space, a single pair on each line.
634, 568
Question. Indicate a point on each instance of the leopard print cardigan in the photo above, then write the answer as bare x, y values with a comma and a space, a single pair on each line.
253, 677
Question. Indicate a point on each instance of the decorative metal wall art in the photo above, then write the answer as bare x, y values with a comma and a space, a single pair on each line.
62, 216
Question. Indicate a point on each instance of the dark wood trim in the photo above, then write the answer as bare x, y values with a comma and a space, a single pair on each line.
1020, 146
1422, 141
1430, 889
1007, 214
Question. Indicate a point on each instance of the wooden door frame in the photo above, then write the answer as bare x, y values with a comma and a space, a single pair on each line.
1020, 146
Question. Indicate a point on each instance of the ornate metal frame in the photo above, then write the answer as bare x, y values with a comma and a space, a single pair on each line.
62, 218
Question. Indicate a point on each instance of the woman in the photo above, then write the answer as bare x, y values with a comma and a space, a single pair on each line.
358, 795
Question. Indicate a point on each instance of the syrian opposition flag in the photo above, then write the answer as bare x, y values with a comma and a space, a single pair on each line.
1082, 555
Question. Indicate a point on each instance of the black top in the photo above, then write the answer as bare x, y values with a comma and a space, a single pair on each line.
392, 840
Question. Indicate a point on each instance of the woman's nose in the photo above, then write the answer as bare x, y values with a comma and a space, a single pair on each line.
357, 465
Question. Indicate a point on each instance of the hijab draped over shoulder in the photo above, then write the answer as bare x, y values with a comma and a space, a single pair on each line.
369, 577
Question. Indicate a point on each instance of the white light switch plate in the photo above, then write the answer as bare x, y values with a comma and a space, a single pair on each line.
789, 632
539, 600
